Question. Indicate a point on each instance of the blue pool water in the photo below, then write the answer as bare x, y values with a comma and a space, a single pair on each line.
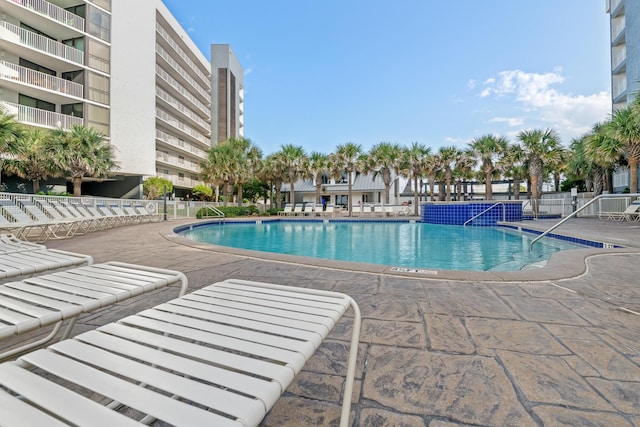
400, 244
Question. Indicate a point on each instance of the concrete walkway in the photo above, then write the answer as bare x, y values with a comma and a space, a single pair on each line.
480, 350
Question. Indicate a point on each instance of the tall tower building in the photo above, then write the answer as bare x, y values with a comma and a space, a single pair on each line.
625, 51
227, 106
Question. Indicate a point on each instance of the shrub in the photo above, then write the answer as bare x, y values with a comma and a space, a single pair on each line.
228, 211
153, 187
202, 192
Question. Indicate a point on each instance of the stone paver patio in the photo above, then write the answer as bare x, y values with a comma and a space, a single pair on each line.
526, 349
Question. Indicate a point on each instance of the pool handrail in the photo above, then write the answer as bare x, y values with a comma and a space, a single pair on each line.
504, 212
576, 212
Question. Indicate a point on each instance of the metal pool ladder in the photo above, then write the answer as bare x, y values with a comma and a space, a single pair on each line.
487, 210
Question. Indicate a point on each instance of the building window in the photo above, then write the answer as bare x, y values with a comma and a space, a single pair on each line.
33, 66
75, 110
36, 103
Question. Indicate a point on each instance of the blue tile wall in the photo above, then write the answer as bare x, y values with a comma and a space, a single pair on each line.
459, 213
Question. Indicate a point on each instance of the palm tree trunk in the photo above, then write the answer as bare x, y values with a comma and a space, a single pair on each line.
240, 195
516, 188
633, 175
387, 190
350, 201
534, 194
416, 193
292, 195
36, 186
77, 186
488, 185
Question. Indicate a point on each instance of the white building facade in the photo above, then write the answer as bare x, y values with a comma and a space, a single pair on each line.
161, 95
624, 18
128, 69
55, 62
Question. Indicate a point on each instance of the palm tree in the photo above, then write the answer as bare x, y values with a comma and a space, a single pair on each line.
511, 165
246, 157
446, 158
413, 167
463, 170
540, 147
81, 153
10, 133
625, 127
488, 148
604, 151
347, 158
431, 170
272, 171
318, 164
382, 159
219, 169
293, 158
33, 162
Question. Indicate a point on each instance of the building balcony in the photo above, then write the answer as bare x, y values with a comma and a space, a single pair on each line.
179, 71
40, 118
177, 162
170, 140
168, 42
24, 10
180, 181
184, 129
188, 114
18, 38
31, 82
178, 90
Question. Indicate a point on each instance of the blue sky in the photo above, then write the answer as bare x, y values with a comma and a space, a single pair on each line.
319, 73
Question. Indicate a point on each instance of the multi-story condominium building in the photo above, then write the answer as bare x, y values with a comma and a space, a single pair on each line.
624, 17
227, 81
55, 62
161, 95
128, 69
625, 51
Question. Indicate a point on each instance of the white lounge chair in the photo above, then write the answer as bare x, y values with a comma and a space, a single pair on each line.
220, 356
367, 210
309, 209
329, 211
297, 210
390, 211
356, 210
53, 298
378, 210
288, 210
632, 213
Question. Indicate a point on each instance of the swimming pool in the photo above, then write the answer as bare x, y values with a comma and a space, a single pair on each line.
399, 244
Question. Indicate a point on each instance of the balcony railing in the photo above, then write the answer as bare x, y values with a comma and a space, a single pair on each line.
178, 162
184, 128
54, 12
165, 35
182, 72
162, 94
35, 41
181, 89
37, 117
180, 144
42, 80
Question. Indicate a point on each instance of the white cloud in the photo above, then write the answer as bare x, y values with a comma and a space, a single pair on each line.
545, 105
511, 121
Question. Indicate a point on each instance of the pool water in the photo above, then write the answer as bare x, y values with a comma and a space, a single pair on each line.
398, 244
